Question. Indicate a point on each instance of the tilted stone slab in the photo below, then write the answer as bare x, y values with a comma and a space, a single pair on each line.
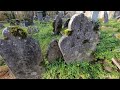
82, 42
22, 56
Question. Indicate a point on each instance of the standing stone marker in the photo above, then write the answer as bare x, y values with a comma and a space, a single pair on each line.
116, 14
57, 25
6, 32
53, 51
66, 23
95, 16
105, 17
22, 23
39, 15
83, 40
61, 14
47, 18
28, 22
22, 56
1, 26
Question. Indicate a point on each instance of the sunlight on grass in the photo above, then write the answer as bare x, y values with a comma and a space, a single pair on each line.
108, 47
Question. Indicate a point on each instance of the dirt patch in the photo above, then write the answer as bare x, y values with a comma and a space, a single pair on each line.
5, 73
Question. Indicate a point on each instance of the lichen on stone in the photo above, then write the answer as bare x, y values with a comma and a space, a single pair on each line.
17, 31
67, 32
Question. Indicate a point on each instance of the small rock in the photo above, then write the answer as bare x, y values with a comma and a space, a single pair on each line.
108, 69
106, 66
105, 17
66, 23
57, 25
1, 26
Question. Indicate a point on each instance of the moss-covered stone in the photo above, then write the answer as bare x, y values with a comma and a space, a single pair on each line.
97, 26
67, 32
17, 31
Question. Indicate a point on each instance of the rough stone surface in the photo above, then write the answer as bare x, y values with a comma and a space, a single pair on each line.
40, 15
1, 26
53, 51
105, 17
83, 40
22, 23
22, 56
95, 16
61, 14
47, 18
116, 14
69, 14
27, 23
57, 25
66, 23
6, 32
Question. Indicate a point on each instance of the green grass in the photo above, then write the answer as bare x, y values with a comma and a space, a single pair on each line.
108, 47
78, 70
45, 35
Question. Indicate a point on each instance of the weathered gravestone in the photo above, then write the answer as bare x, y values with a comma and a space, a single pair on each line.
61, 14
105, 17
6, 32
95, 16
1, 26
47, 18
27, 23
83, 40
35, 17
57, 25
53, 51
66, 23
40, 15
116, 14
23, 56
